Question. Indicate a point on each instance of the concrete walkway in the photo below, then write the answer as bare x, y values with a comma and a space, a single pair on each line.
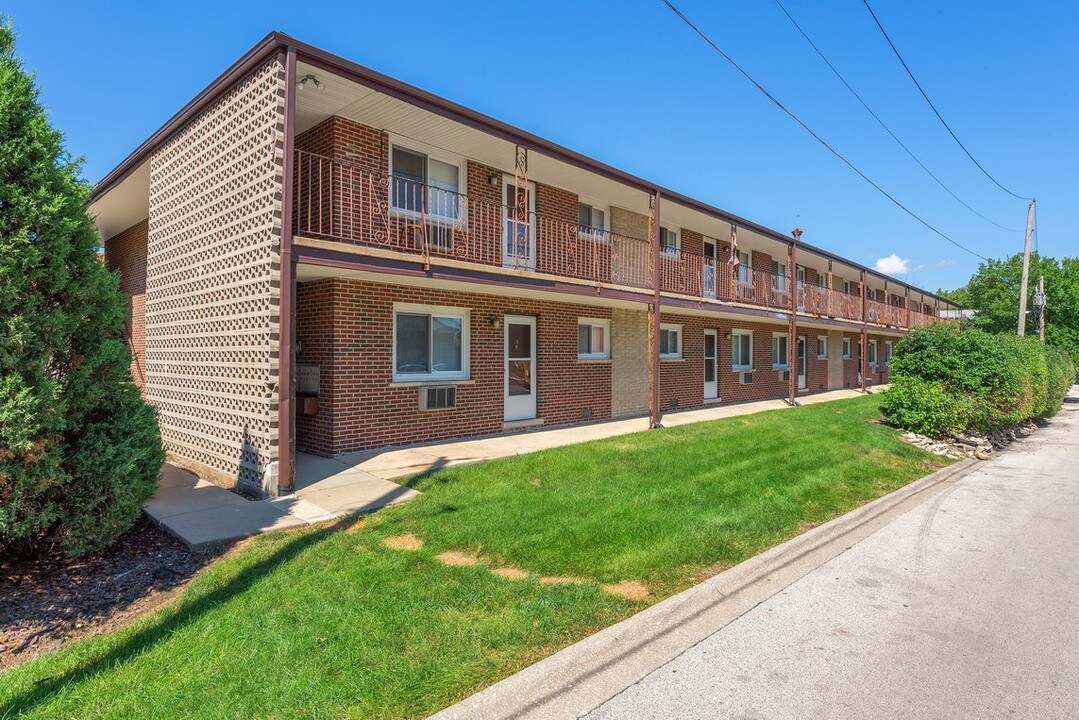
955, 596
204, 515
399, 462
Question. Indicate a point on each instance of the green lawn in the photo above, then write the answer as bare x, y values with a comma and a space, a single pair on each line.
327, 623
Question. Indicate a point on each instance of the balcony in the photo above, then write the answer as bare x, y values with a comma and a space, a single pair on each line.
347, 203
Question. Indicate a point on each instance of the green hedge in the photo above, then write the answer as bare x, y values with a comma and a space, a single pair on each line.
947, 380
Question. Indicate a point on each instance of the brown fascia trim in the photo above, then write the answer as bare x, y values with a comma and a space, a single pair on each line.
276, 41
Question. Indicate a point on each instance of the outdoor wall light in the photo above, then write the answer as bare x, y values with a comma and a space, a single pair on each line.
493, 179
309, 78
496, 322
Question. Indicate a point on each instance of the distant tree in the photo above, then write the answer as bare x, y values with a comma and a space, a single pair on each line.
993, 291
79, 449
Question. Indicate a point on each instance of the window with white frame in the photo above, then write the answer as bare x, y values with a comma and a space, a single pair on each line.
779, 269
741, 350
846, 286
779, 351
745, 277
670, 342
591, 220
846, 348
592, 339
822, 280
429, 343
871, 352
888, 352
822, 347
668, 241
424, 184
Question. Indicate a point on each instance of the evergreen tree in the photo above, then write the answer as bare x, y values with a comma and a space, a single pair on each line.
79, 449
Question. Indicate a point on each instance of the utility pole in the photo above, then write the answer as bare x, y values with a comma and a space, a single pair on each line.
1039, 302
1026, 271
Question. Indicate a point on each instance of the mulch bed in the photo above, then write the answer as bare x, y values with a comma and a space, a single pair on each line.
49, 601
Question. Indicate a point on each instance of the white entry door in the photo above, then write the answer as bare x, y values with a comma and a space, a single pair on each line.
711, 386
801, 362
520, 335
518, 225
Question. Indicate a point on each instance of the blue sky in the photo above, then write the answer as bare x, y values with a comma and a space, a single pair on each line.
627, 83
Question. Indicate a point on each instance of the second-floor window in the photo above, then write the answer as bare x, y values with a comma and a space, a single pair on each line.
780, 271
668, 241
590, 219
423, 184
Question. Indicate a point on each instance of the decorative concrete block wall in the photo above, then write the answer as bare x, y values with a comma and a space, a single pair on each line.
212, 282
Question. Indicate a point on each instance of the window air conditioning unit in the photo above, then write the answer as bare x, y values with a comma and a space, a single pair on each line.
438, 398
784, 375
746, 378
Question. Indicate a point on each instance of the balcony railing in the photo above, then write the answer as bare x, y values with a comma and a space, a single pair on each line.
348, 203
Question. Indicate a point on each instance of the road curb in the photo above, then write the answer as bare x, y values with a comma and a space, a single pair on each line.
576, 680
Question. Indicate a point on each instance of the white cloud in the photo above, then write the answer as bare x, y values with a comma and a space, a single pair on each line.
892, 265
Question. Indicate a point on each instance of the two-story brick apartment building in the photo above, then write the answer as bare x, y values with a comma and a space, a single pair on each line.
419, 271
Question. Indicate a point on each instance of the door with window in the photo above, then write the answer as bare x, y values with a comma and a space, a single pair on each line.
711, 384
801, 362
708, 269
519, 225
520, 369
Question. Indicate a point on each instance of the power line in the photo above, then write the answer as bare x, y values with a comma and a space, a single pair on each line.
881, 122
816, 137
934, 107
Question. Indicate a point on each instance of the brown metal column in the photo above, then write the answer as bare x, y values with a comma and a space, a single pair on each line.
286, 387
655, 415
863, 363
792, 322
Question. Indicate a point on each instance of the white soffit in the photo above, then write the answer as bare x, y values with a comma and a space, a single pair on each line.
124, 205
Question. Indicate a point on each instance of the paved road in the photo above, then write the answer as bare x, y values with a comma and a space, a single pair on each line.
965, 607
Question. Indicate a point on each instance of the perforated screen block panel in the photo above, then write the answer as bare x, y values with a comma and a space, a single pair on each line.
213, 279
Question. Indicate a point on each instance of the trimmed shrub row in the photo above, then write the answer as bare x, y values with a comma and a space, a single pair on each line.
946, 380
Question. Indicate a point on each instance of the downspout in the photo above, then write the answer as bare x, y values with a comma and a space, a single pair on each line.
865, 339
792, 323
655, 414
286, 386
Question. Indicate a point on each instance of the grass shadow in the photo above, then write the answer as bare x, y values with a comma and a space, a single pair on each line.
145, 639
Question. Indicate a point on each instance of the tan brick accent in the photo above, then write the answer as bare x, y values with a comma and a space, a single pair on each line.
835, 359
125, 253
629, 362
212, 284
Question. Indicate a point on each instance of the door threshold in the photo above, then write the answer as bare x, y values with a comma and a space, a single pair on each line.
521, 424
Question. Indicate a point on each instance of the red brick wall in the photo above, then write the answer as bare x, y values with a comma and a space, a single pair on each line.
682, 381
125, 252
364, 410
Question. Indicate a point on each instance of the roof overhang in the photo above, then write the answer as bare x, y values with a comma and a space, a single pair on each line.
276, 42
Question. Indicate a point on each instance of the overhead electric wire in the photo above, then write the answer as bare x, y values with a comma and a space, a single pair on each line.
816, 137
934, 107
881, 122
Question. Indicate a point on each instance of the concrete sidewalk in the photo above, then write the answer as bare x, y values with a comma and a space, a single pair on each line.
399, 462
204, 515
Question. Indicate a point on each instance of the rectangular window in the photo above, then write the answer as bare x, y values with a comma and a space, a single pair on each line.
668, 241
741, 350
846, 286
871, 351
670, 342
592, 343
423, 184
846, 348
591, 220
822, 347
888, 352
779, 351
429, 343
822, 281
744, 275
780, 271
